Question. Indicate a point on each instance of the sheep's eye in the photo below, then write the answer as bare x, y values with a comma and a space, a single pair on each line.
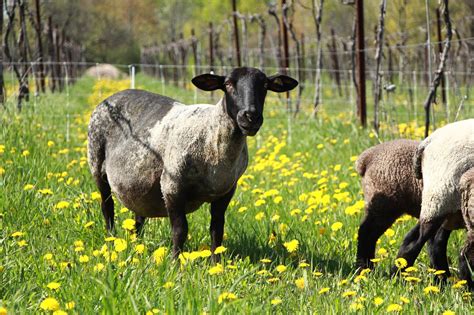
229, 86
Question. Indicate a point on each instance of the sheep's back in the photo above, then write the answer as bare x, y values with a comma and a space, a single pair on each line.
447, 156
388, 176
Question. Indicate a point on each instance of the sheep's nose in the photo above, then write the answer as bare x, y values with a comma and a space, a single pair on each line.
252, 116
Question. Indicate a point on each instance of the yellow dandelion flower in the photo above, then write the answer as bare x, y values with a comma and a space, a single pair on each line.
99, 267
48, 256
95, 195
226, 297
242, 209
389, 233
17, 234
70, 305
272, 280
25, 153
317, 273
303, 264
59, 312
139, 248
356, 306
323, 290
360, 278
159, 255
404, 300
280, 268
28, 187
378, 301
375, 260
2, 171
88, 224
217, 269
349, 294
168, 285
259, 202
412, 279
382, 251
336, 226
220, 250
275, 218
276, 301
128, 224
278, 199
22, 243
259, 216
84, 259
411, 269
49, 304
394, 308
62, 205
3, 311
265, 260
459, 284
431, 289
53, 285
291, 246
439, 272
448, 312
50, 143
120, 245
300, 283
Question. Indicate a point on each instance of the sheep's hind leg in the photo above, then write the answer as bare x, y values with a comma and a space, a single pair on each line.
371, 228
437, 251
466, 261
218, 208
415, 240
175, 204
139, 223
107, 203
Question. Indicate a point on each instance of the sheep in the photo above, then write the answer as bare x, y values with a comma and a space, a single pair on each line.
466, 258
440, 160
391, 190
161, 158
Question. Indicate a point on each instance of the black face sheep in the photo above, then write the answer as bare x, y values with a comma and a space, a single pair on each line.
162, 158
441, 160
466, 258
391, 190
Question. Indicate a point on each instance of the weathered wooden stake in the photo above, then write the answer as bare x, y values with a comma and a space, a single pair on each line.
360, 48
236, 33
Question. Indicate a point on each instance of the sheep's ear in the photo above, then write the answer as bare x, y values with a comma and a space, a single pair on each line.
281, 83
209, 82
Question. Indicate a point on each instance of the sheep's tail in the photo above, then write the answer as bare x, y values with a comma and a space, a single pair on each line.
362, 161
418, 158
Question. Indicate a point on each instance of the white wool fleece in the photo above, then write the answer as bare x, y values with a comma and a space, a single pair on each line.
448, 153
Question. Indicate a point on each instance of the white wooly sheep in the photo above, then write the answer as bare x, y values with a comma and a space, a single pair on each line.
161, 158
441, 160
466, 258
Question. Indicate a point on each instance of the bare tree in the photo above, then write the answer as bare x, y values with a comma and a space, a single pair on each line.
317, 11
437, 77
378, 59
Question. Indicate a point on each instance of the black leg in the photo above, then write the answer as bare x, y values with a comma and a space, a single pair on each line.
179, 225
371, 228
437, 251
139, 222
416, 239
466, 261
218, 208
107, 203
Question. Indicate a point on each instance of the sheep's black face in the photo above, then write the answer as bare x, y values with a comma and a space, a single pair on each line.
245, 90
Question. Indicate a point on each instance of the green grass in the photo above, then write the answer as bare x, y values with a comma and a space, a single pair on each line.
284, 156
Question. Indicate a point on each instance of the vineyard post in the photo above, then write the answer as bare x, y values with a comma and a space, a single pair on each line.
440, 50
360, 48
40, 46
236, 33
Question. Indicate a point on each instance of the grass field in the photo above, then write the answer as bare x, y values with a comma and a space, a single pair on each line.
291, 229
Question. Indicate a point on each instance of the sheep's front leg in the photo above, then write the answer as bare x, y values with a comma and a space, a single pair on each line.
218, 208
175, 204
416, 239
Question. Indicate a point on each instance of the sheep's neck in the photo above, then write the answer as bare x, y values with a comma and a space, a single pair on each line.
228, 140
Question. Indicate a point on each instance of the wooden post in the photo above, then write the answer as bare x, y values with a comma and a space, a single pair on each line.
194, 47
211, 47
360, 47
2, 83
236, 33
286, 59
52, 52
40, 47
440, 50
335, 61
